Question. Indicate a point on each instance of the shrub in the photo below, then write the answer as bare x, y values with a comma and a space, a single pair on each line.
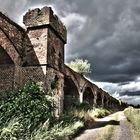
25, 110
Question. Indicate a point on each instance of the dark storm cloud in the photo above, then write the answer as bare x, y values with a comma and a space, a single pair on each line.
136, 93
110, 39
106, 32
114, 78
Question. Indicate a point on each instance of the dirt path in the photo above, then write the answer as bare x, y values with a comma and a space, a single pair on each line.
122, 131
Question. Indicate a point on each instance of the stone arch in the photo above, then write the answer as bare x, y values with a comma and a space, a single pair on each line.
9, 48
73, 75
88, 95
90, 85
71, 94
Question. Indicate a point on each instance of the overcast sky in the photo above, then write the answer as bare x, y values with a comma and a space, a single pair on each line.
106, 32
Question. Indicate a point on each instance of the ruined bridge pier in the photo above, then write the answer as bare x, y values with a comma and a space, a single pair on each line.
37, 54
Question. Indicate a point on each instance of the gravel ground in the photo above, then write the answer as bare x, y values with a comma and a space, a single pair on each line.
124, 132
89, 134
121, 133
94, 131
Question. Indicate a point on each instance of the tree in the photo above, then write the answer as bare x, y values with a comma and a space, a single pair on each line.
80, 66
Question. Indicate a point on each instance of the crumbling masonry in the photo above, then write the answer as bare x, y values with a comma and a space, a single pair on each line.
37, 54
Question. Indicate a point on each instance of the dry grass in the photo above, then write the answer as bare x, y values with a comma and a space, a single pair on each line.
107, 133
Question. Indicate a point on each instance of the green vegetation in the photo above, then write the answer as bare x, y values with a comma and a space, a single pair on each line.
133, 116
80, 66
87, 113
25, 110
29, 114
107, 133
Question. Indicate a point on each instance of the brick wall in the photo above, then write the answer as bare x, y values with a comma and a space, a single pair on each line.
6, 78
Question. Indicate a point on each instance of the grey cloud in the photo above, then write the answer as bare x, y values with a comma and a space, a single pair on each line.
135, 100
115, 27
13, 8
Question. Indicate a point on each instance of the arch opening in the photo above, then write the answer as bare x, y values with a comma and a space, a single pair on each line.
105, 101
71, 94
88, 96
99, 99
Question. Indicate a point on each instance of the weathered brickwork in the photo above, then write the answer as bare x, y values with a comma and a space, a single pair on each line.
55, 51
34, 73
6, 78
9, 48
37, 54
13, 33
39, 38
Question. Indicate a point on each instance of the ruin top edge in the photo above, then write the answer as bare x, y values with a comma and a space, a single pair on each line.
44, 16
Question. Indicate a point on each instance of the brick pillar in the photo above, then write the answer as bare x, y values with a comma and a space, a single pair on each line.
81, 97
48, 37
103, 100
95, 98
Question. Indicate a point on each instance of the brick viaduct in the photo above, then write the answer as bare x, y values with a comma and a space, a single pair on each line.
37, 54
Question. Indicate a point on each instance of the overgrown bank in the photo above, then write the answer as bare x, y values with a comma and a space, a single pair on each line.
133, 116
29, 114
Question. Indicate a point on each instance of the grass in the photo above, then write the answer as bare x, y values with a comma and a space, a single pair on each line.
87, 113
29, 114
133, 116
59, 131
107, 133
